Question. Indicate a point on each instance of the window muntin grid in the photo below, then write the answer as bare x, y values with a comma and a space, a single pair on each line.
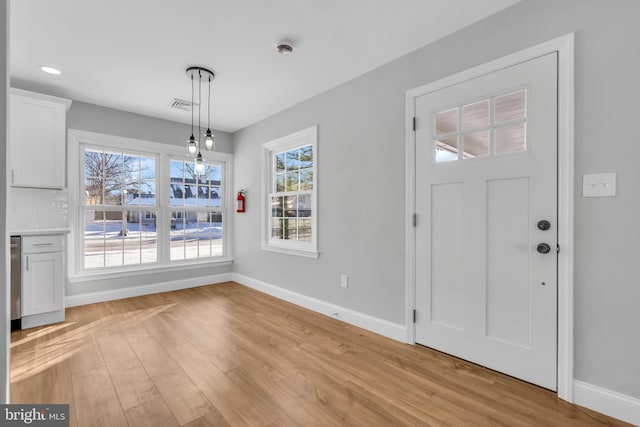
492, 126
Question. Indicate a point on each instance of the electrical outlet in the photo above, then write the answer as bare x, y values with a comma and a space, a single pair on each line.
344, 280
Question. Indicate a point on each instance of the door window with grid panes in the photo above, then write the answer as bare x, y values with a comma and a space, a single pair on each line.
487, 127
290, 223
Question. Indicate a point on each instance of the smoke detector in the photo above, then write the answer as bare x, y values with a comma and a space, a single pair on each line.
284, 47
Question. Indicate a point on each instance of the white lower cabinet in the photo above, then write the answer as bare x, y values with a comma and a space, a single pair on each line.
42, 275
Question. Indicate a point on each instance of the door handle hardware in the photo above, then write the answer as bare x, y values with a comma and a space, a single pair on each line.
543, 248
43, 244
544, 225
27, 263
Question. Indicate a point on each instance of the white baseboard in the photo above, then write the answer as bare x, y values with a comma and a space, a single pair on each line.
388, 329
136, 291
42, 319
612, 403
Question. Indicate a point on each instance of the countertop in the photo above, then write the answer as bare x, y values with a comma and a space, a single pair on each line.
39, 231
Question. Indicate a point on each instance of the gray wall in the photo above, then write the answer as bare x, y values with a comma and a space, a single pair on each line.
4, 252
94, 118
361, 176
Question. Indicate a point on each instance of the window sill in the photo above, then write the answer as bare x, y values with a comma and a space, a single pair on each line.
290, 251
140, 271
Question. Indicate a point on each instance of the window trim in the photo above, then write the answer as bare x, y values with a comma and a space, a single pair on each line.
308, 136
164, 152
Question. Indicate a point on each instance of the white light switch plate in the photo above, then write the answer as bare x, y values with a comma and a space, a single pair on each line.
599, 185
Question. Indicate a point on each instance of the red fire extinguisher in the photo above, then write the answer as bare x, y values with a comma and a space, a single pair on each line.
240, 202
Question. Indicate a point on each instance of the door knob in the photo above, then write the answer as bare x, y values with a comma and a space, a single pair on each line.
544, 225
543, 248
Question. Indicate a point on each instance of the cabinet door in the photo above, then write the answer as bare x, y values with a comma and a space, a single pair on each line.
42, 283
37, 142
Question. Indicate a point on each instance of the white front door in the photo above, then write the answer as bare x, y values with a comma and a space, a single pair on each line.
486, 233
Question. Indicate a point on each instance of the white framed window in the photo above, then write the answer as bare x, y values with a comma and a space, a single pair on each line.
144, 208
196, 210
117, 207
289, 194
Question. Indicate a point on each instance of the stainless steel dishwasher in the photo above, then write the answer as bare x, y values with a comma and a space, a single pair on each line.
16, 283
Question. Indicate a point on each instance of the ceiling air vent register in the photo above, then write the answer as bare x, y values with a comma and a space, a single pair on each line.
181, 104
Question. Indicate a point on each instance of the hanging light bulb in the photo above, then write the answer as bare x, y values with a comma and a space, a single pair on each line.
199, 165
209, 142
192, 146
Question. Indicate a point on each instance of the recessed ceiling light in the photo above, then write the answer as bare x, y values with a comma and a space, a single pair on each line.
50, 70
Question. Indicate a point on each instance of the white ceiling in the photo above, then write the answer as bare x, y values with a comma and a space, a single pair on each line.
132, 54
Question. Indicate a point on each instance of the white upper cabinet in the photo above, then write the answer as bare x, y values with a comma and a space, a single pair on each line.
37, 135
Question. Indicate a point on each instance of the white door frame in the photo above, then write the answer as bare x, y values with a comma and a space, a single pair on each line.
564, 46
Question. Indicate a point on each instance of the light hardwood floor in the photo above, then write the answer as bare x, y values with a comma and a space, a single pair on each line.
227, 355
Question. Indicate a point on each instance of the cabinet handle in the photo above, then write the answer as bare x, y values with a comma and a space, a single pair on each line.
27, 262
12, 176
43, 244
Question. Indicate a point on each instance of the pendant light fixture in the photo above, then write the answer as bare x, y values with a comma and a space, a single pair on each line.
209, 141
193, 144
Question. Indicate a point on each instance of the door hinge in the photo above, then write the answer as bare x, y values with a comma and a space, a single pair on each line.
414, 316
414, 220
557, 249
414, 124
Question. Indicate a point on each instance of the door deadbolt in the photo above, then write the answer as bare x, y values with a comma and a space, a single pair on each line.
543, 248
544, 225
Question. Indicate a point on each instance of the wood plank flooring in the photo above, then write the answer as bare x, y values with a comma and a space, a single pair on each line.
225, 355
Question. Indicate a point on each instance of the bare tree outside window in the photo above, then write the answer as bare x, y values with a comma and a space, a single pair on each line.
109, 177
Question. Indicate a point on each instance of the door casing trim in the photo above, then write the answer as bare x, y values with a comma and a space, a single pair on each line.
564, 46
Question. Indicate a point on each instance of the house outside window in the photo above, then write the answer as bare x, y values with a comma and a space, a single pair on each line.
289, 194
144, 209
